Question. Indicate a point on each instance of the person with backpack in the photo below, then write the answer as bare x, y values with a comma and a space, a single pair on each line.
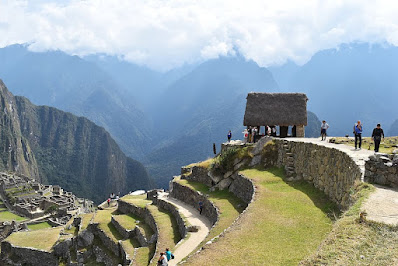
229, 135
376, 136
163, 260
358, 134
169, 255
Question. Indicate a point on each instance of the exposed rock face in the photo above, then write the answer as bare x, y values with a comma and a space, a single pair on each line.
59, 148
382, 169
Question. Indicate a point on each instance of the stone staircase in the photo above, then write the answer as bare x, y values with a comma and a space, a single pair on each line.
289, 163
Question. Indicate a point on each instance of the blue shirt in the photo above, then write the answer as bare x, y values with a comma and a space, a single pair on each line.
168, 255
357, 129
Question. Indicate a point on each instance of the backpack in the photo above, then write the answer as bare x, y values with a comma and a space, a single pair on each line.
172, 256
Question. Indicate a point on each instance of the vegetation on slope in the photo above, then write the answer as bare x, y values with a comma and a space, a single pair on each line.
59, 148
43, 239
285, 223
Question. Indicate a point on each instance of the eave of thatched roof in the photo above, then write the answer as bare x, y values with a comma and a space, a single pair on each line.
283, 109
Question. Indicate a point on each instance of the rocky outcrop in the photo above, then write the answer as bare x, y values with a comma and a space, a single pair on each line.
382, 169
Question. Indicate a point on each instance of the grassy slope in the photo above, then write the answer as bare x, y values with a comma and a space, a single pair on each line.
9, 216
354, 243
38, 226
41, 239
282, 226
228, 204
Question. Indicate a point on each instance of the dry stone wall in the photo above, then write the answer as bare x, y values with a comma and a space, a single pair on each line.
382, 169
193, 197
26, 256
330, 170
182, 227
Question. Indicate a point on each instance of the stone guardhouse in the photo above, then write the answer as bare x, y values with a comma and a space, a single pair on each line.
277, 109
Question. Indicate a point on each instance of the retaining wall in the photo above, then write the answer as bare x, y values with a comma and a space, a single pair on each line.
382, 169
182, 227
27, 256
193, 197
330, 170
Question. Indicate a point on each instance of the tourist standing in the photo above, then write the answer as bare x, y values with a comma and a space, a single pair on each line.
268, 130
169, 255
229, 135
273, 131
249, 131
245, 135
200, 207
162, 259
358, 134
324, 127
377, 134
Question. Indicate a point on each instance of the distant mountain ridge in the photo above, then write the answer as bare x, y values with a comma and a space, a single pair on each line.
59, 148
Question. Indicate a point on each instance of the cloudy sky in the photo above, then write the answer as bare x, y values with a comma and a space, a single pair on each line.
163, 34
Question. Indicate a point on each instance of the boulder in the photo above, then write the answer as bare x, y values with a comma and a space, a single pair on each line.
85, 238
225, 183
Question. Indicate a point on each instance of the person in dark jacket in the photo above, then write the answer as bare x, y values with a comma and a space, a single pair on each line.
376, 136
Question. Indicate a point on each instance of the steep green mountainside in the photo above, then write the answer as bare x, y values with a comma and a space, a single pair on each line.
66, 150
75, 85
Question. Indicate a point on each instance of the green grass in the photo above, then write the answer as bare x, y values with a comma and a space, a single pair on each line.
354, 243
285, 223
137, 200
367, 143
143, 255
86, 218
229, 205
9, 216
39, 226
168, 230
41, 239
129, 221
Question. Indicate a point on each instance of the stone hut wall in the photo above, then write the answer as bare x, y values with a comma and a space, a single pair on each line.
192, 198
382, 169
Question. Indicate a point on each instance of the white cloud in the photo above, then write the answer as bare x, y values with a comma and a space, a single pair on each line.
167, 33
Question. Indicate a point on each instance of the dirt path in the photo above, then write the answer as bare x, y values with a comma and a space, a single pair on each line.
194, 218
382, 206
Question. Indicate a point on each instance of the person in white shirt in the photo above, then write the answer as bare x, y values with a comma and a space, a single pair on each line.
324, 127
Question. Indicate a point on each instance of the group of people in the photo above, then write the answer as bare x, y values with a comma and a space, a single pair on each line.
377, 134
250, 134
165, 257
113, 197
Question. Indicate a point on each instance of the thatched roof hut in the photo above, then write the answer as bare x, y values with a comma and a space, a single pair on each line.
283, 109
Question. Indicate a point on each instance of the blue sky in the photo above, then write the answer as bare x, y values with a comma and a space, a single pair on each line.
163, 34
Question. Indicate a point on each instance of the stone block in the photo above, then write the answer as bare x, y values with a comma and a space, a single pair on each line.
225, 183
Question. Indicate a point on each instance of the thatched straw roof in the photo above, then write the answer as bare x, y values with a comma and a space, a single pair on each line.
283, 109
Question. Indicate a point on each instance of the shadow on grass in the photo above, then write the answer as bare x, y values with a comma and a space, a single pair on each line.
237, 203
174, 226
319, 198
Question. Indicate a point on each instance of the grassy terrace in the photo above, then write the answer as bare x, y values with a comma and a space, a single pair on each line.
228, 204
386, 146
9, 216
39, 226
41, 239
167, 225
354, 243
285, 223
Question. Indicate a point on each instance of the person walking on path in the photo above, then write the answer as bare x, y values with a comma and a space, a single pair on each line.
229, 135
324, 127
162, 259
200, 207
376, 136
169, 255
358, 134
